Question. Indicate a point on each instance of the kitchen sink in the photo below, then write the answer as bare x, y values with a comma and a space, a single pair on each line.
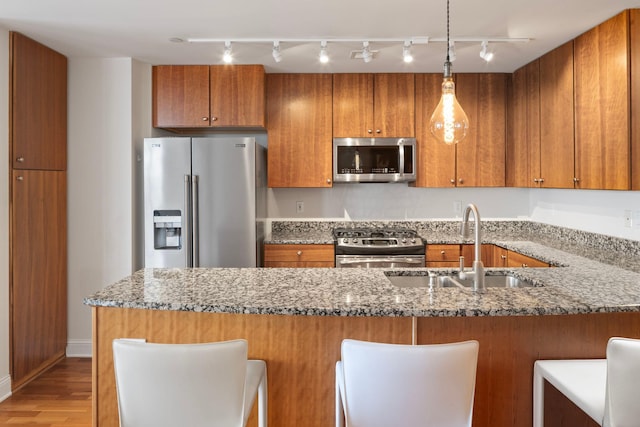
493, 280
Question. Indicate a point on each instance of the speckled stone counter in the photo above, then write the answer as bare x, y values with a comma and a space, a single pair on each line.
585, 280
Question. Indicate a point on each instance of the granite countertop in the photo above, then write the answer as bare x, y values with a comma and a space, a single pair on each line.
585, 280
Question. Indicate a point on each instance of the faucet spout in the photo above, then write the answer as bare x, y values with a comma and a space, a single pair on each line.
478, 267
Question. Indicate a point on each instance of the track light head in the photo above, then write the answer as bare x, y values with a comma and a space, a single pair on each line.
485, 53
324, 55
367, 56
277, 55
227, 56
406, 52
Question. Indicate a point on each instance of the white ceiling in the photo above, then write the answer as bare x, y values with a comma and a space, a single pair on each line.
141, 29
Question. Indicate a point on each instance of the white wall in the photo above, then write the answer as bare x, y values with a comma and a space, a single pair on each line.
589, 210
100, 186
5, 382
395, 202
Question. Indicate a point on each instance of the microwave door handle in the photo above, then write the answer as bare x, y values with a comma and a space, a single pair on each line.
401, 162
186, 222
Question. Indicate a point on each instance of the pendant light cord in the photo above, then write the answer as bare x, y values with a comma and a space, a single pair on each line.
448, 31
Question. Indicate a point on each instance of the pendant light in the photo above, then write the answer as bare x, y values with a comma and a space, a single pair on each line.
449, 123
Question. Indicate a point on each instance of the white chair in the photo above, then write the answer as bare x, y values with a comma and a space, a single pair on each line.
195, 385
605, 389
382, 385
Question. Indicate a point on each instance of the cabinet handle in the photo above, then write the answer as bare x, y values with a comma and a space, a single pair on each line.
377, 130
541, 180
20, 159
525, 265
20, 178
328, 180
576, 180
536, 180
213, 118
299, 253
503, 256
369, 130
461, 181
441, 252
205, 119
453, 181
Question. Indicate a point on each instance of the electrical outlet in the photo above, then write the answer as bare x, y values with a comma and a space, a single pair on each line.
299, 207
628, 219
457, 207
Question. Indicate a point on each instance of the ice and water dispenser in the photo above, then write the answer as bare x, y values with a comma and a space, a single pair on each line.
167, 229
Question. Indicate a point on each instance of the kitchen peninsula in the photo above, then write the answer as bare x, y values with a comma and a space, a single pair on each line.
295, 319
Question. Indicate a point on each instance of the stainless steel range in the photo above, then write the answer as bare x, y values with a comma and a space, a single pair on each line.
378, 247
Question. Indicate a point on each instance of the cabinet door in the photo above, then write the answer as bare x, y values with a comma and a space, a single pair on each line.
38, 271
352, 105
500, 257
602, 106
518, 260
394, 105
523, 127
237, 95
468, 251
556, 118
38, 106
299, 129
181, 96
481, 155
436, 160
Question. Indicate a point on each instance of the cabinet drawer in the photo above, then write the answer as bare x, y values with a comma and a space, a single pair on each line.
518, 260
298, 253
443, 253
443, 264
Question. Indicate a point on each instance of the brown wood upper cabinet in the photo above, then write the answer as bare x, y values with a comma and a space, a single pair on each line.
479, 159
38, 94
196, 96
602, 103
373, 105
299, 129
540, 143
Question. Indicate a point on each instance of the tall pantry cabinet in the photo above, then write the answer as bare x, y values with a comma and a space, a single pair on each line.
38, 213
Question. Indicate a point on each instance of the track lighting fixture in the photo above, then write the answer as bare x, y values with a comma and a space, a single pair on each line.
324, 55
484, 52
449, 122
452, 50
227, 56
277, 55
406, 52
367, 56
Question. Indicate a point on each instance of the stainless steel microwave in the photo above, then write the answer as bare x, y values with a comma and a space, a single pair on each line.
374, 159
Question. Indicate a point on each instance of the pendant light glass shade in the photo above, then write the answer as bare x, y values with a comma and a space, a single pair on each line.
449, 122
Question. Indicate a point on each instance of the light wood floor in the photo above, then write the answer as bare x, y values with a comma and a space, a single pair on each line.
60, 397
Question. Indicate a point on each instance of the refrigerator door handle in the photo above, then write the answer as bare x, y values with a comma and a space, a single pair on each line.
196, 221
186, 222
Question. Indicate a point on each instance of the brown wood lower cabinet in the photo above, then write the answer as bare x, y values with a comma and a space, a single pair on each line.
448, 256
301, 352
38, 289
299, 256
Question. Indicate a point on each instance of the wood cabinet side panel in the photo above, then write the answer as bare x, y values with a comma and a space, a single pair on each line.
634, 30
237, 95
556, 117
299, 124
602, 106
510, 345
300, 351
38, 282
481, 155
394, 104
436, 161
352, 105
180, 96
38, 105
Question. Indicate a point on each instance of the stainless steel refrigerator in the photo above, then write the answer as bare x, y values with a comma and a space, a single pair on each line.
204, 202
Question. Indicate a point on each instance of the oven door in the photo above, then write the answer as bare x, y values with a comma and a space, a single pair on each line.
379, 261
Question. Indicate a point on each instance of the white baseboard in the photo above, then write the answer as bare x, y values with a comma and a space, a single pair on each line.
5, 387
79, 348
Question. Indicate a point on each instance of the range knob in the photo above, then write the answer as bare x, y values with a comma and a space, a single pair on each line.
404, 240
345, 241
413, 240
354, 241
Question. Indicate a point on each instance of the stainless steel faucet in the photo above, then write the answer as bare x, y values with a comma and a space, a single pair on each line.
478, 268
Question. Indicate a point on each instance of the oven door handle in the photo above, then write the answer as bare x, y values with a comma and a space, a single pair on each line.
372, 260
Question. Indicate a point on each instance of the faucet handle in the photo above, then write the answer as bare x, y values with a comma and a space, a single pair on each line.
462, 275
